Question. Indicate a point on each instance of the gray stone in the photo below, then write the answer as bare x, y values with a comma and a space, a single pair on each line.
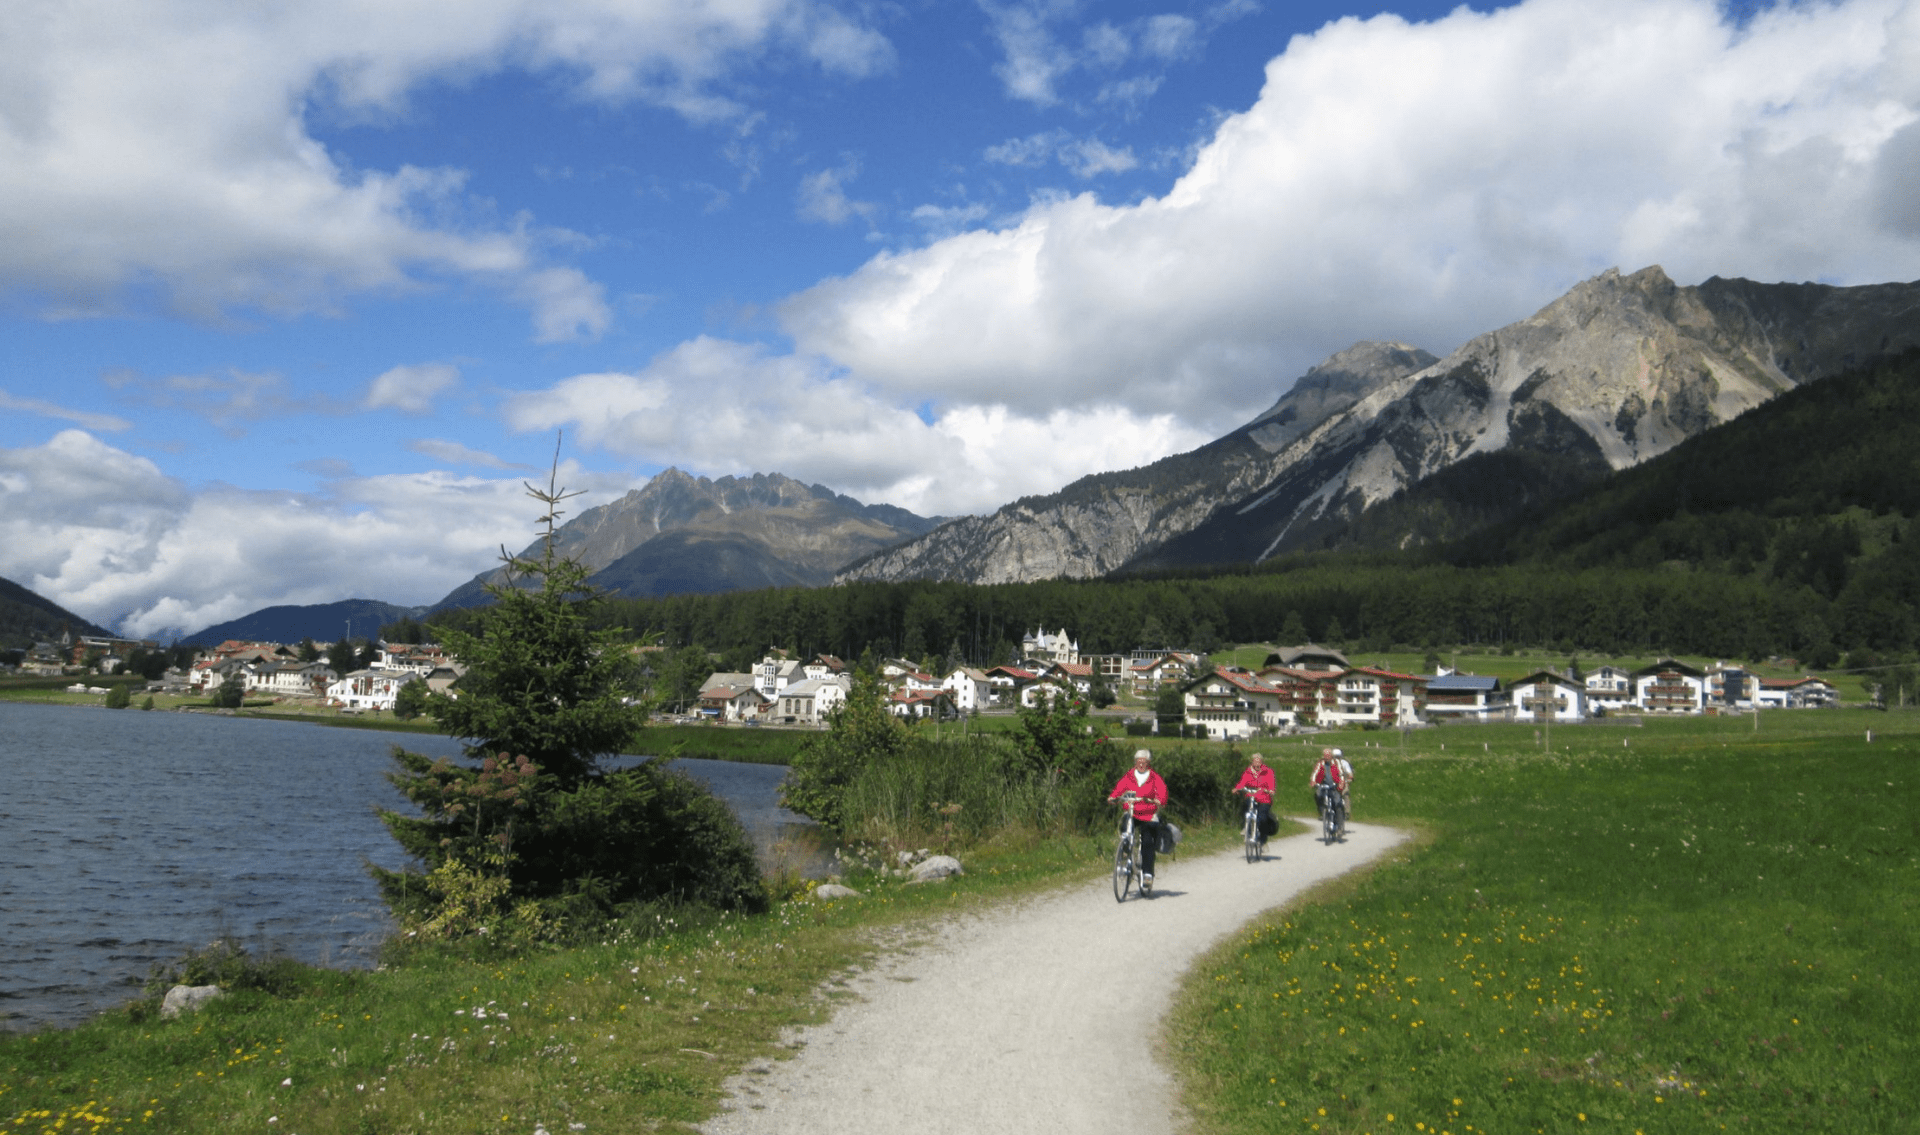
835, 891
935, 868
186, 998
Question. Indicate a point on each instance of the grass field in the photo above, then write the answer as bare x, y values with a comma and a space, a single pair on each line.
1687, 927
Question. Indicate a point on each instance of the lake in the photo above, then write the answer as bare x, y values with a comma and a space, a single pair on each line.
135, 837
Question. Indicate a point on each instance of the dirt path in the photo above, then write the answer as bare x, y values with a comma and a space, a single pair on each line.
1039, 1017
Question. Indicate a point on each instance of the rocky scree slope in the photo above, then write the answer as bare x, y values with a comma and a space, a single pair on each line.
681, 534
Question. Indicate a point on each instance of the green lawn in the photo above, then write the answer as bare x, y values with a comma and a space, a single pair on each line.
1677, 928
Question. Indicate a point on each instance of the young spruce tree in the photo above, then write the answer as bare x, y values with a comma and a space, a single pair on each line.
536, 822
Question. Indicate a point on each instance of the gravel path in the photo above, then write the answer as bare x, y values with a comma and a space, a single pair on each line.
1037, 1017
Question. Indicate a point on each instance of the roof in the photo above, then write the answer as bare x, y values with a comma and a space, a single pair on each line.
1394, 674
1462, 684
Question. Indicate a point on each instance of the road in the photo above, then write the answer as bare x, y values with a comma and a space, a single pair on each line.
1041, 1016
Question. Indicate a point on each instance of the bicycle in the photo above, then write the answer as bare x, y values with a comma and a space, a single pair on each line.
1127, 873
1333, 815
1250, 827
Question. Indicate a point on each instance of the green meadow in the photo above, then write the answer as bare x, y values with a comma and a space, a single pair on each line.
1692, 926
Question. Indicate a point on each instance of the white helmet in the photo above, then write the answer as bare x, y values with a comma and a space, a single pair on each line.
1338, 753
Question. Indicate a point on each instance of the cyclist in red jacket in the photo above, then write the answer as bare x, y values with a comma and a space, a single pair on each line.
1257, 780
1149, 792
1331, 774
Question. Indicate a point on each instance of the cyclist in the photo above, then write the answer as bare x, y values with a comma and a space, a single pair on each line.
1331, 774
1257, 781
1150, 793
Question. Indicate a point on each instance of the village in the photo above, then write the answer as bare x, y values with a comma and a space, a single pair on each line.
1307, 687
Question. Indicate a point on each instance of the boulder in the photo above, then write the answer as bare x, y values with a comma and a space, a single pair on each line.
934, 868
834, 891
184, 998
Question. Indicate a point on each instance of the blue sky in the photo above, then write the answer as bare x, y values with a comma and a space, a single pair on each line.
295, 296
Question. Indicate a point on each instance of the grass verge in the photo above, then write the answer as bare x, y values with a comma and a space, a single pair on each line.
1698, 926
634, 1030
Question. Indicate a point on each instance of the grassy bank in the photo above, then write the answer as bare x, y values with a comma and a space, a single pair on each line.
633, 1031
1682, 927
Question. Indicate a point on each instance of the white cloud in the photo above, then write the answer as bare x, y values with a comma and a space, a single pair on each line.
453, 453
721, 407
823, 197
163, 147
224, 398
411, 388
1423, 182
87, 419
1084, 158
109, 536
1035, 63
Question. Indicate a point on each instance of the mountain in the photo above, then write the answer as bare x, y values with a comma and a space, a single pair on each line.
27, 617
1619, 369
680, 534
321, 622
1100, 522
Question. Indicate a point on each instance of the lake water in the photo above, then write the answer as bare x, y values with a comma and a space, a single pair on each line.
132, 838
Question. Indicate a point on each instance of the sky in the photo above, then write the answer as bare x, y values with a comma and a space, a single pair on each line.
296, 297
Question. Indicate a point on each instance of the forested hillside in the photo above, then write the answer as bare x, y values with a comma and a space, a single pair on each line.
27, 618
1787, 531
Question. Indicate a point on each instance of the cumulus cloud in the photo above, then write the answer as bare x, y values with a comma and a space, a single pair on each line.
720, 407
1422, 182
411, 388
108, 535
164, 149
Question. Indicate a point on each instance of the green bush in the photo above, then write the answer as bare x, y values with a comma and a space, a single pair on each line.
118, 696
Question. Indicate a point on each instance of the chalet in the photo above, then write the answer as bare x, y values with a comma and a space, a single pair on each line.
1609, 688
1110, 668
1465, 697
1232, 704
969, 688
1165, 668
1366, 695
1669, 686
917, 704
420, 658
1006, 682
734, 701
1302, 694
1078, 675
1547, 696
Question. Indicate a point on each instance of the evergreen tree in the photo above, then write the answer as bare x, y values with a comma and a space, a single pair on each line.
232, 693
410, 701
536, 823
1293, 632
118, 696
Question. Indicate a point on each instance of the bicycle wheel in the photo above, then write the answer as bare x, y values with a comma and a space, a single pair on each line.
1327, 815
1124, 875
1252, 836
1340, 824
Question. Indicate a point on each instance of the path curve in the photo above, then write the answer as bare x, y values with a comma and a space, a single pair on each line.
1020, 1019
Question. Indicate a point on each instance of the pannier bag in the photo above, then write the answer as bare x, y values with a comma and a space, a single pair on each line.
1269, 827
1169, 838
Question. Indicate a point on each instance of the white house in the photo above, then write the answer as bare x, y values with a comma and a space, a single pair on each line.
1465, 697
1609, 688
969, 689
1669, 686
368, 689
773, 674
809, 702
290, 679
1547, 696
1232, 704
